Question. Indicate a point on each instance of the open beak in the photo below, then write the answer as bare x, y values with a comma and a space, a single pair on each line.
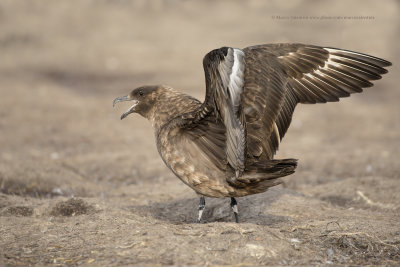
130, 110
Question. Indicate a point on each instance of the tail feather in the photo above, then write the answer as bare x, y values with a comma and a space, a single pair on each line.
268, 170
260, 176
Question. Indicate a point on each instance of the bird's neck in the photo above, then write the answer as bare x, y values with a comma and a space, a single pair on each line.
169, 105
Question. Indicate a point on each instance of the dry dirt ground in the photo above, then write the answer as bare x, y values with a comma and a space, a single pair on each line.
79, 186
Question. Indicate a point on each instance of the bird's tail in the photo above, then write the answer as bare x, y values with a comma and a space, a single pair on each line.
259, 176
270, 169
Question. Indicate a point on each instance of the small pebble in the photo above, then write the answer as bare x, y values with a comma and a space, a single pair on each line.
54, 156
368, 168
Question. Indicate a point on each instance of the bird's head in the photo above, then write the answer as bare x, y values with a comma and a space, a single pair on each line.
143, 99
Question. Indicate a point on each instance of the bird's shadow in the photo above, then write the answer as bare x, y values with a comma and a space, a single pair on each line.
252, 209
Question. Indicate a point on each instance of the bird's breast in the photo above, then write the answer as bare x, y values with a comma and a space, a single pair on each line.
191, 165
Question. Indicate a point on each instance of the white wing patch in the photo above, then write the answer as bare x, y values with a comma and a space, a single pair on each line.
231, 71
236, 79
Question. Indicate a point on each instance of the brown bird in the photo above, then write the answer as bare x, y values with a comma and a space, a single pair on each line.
224, 147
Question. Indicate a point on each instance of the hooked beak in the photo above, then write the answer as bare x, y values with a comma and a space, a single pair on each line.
130, 110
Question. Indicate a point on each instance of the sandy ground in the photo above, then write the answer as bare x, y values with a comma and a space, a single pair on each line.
79, 186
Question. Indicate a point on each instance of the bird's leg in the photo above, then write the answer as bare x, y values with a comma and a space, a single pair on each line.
235, 209
202, 205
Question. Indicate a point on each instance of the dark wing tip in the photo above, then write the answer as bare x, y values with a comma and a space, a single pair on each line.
359, 56
387, 63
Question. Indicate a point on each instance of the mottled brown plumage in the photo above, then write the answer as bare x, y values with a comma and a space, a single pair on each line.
224, 147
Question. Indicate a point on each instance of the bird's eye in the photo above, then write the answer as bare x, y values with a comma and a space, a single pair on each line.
141, 93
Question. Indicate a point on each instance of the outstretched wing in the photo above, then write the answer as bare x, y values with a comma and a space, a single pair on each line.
251, 95
306, 74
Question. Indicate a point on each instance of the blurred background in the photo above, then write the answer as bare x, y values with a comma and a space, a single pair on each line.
63, 62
